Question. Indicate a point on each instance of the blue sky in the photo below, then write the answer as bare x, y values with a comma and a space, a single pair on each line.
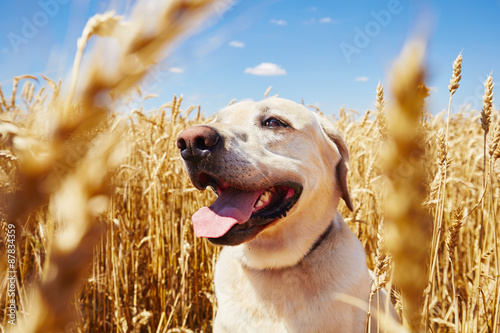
330, 53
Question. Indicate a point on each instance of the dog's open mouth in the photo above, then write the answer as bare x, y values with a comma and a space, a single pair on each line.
239, 215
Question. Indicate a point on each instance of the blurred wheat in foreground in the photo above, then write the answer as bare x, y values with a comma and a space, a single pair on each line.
102, 207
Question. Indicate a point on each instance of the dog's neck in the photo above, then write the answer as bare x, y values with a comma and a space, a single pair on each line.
262, 253
321, 238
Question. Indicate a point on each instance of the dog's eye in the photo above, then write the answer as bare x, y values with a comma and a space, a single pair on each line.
274, 123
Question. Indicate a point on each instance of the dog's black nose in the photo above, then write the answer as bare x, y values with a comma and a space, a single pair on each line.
197, 142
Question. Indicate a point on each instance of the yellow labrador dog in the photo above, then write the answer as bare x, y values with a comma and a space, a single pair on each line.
279, 171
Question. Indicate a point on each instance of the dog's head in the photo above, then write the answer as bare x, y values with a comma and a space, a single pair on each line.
279, 171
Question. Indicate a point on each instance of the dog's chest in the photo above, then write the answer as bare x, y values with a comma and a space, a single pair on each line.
285, 290
286, 300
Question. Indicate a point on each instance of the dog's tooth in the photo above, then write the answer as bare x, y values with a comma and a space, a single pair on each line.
265, 196
259, 204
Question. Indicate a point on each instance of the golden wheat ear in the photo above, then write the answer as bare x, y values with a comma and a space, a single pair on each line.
341, 168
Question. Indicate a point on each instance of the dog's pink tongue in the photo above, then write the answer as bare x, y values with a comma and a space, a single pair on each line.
231, 207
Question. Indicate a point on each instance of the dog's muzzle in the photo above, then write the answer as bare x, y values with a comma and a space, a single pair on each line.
240, 213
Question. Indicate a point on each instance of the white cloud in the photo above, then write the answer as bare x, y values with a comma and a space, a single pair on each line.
235, 43
176, 70
325, 20
279, 22
266, 69
361, 79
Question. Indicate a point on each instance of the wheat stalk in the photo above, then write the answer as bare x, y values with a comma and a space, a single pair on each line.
407, 222
452, 238
487, 104
494, 152
102, 25
3, 103
15, 84
485, 125
493, 149
381, 272
457, 75
380, 105
268, 90
453, 86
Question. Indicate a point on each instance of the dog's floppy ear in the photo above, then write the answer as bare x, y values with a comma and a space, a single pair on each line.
341, 169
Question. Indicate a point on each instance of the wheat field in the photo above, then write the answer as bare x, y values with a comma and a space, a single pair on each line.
100, 206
